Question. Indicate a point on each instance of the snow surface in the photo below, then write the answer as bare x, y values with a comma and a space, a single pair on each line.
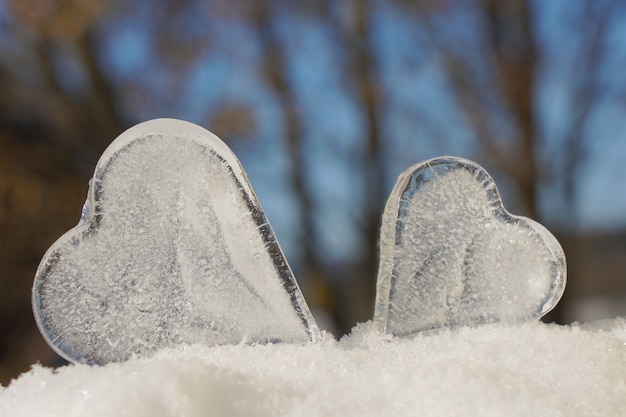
499, 370
452, 256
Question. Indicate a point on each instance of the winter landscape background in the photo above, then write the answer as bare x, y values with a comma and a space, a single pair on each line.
325, 103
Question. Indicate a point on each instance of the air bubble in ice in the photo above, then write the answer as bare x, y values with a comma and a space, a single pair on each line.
165, 245
452, 256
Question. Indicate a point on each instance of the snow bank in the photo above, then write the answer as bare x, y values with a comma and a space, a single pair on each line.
495, 370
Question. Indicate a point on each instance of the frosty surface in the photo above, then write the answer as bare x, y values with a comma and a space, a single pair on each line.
173, 248
452, 256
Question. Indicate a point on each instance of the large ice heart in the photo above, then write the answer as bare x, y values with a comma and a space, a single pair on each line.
451, 255
172, 248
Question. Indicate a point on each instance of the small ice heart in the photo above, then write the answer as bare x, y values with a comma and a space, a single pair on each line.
172, 248
452, 256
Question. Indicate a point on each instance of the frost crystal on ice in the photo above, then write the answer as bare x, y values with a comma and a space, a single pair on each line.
172, 248
451, 255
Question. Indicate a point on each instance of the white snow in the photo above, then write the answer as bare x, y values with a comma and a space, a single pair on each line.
496, 370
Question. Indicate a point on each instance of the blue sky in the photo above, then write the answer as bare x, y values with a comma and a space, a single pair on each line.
419, 121
228, 72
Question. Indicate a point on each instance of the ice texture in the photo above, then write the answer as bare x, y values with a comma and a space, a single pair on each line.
531, 369
452, 256
172, 249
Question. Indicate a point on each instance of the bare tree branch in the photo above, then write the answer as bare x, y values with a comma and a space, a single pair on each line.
274, 69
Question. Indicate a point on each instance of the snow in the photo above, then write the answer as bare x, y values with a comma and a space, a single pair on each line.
451, 255
172, 248
530, 369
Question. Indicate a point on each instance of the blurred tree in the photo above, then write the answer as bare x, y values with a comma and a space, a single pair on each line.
45, 133
352, 34
495, 59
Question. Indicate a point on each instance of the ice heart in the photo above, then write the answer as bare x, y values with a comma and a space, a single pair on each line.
451, 255
172, 248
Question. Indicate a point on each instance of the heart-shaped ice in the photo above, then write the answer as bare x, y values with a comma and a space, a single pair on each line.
172, 248
451, 255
